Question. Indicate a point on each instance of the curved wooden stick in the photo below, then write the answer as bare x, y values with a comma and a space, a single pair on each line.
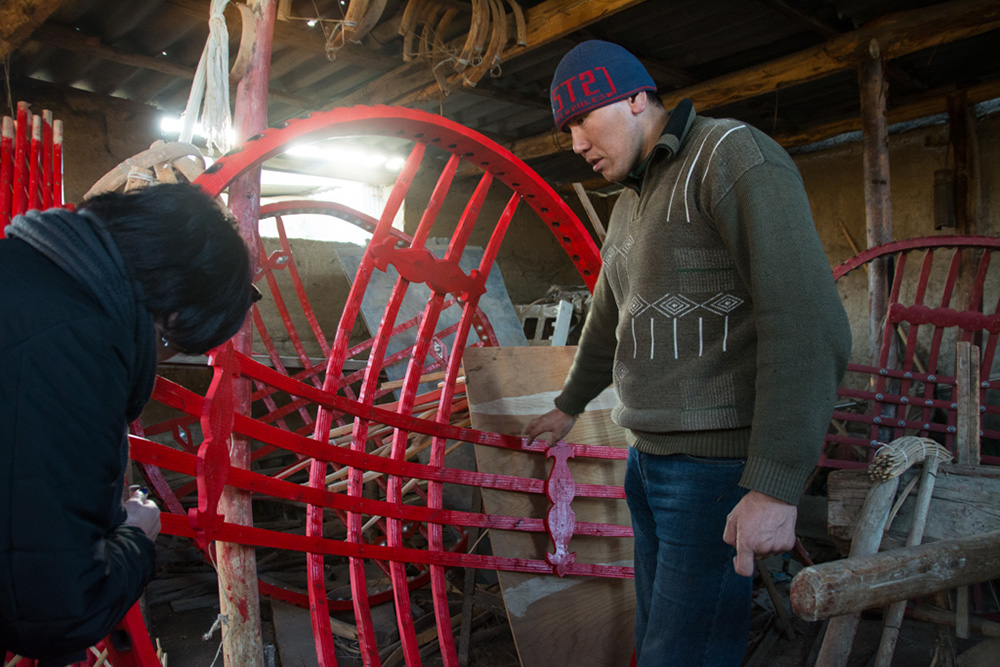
427, 33
442, 28
408, 27
476, 35
867, 537
356, 11
519, 22
894, 615
370, 20
249, 31
498, 39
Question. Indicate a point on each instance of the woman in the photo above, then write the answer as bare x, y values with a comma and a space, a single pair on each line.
89, 301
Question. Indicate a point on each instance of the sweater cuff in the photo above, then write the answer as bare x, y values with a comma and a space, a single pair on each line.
774, 479
570, 404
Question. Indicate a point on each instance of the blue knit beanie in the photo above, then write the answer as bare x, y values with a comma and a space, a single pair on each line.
592, 75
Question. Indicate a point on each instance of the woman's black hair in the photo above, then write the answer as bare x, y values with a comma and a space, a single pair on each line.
179, 245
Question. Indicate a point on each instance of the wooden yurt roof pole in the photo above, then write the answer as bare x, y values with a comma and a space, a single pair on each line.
878, 206
237, 564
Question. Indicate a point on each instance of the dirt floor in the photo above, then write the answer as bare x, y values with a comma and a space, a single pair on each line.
183, 607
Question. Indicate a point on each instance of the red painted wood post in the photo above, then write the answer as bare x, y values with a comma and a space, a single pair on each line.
35, 164
241, 637
22, 136
57, 163
6, 171
46, 159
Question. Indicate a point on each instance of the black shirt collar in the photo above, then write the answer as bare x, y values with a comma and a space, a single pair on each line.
670, 140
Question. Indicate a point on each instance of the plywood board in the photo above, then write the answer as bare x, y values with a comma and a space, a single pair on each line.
585, 622
294, 635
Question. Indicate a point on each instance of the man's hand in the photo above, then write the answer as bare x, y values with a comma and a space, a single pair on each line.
759, 526
143, 514
556, 422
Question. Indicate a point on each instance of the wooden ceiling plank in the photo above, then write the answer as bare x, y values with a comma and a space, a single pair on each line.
899, 35
932, 103
801, 17
71, 40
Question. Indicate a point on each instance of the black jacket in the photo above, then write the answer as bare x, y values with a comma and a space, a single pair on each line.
69, 568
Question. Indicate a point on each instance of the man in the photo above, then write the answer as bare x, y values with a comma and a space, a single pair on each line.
91, 301
717, 320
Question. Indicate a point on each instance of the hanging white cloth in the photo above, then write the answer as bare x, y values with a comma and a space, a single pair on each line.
211, 84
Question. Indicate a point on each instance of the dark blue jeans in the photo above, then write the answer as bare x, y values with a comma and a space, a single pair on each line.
691, 607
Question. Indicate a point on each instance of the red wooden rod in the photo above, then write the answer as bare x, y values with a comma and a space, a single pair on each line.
46, 159
21, 139
35, 164
57, 163
6, 171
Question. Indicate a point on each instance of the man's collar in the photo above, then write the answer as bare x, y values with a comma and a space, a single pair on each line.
670, 140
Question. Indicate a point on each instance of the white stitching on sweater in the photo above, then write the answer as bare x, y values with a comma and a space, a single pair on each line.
716, 147
687, 181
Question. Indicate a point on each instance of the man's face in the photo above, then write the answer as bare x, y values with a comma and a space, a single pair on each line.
609, 139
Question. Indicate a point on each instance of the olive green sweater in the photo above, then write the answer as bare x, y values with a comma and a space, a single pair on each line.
715, 315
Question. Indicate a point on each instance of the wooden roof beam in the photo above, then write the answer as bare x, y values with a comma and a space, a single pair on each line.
72, 40
898, 35
931, 103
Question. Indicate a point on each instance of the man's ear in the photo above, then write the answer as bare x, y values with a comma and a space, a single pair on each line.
638, 103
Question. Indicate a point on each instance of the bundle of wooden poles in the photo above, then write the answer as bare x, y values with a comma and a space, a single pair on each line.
30, 163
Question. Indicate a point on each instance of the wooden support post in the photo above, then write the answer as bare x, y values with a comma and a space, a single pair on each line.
849, 585
967, 421
240, 601
878, 206
962, 142
964, 202
967, 452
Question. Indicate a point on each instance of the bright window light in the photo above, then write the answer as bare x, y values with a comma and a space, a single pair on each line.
342, 155
174, 125
366, 198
